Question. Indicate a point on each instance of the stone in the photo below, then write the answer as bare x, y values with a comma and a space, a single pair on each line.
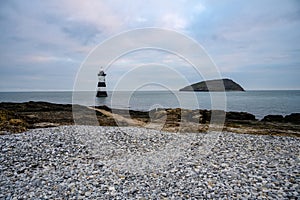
87, 194
167, 170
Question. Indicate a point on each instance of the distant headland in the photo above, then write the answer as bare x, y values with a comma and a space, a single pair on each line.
214, 85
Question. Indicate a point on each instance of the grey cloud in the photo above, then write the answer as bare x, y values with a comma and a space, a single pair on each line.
83, 32
50, 39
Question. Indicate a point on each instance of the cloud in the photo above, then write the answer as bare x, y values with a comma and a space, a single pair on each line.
95, 13
173, 21
46, 59
44, 36
240, 34
84, 33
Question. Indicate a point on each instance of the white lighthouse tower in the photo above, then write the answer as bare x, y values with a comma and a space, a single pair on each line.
101, 91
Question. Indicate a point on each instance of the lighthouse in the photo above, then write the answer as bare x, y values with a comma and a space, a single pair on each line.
101, 91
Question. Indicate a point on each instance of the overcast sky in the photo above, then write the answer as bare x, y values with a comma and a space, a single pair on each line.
43, 43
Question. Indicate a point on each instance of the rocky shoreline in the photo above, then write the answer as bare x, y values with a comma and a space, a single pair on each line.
93, 162
122, 160
19, 117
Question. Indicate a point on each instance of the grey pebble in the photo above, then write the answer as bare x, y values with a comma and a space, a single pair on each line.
87, 162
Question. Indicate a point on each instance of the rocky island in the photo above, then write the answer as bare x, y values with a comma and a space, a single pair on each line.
217, 85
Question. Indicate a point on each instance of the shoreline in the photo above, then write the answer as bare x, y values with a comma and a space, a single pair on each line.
19, 117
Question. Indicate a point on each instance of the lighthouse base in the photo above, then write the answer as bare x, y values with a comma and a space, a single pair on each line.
101, 94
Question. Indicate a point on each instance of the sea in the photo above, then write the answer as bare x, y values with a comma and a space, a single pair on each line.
260, 103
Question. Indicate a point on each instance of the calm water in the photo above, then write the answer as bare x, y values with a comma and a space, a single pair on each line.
259, 103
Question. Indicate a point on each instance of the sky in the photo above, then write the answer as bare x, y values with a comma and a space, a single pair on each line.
43, 43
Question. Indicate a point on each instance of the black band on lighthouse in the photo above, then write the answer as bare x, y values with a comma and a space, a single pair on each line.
101, 84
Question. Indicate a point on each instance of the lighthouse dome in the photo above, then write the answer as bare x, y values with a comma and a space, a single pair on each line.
101, 73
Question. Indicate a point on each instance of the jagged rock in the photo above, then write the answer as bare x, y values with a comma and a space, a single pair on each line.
214, 85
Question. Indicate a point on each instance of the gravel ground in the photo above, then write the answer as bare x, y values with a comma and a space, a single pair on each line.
86, 162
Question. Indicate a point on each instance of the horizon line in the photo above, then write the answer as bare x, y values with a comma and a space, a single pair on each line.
140, 90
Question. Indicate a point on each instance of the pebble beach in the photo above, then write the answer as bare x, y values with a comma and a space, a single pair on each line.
89, 162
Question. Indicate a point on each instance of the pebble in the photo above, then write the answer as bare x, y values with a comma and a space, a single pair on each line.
87, 162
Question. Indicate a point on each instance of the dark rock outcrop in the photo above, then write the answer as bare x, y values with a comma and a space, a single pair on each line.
19, 117
292, 118
217, 85
239, 116
273, 118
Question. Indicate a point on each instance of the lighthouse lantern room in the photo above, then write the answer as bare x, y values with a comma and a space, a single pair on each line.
101, 91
